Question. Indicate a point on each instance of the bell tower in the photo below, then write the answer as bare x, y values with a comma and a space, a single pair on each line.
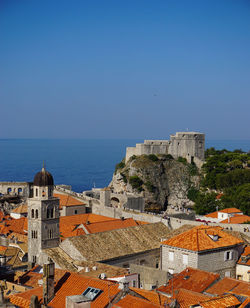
43, 218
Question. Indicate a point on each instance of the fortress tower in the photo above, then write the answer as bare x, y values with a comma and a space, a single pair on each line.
190, 145
43, 218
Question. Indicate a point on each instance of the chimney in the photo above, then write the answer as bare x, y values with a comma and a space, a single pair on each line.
124, 285
1, 295
34, 303
48, 282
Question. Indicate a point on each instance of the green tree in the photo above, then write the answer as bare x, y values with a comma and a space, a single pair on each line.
205, 203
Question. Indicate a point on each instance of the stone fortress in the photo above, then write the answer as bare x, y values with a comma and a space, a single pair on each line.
190, 145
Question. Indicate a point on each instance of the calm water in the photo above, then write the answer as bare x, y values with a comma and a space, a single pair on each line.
79, 163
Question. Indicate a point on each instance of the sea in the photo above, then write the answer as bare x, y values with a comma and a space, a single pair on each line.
81, 163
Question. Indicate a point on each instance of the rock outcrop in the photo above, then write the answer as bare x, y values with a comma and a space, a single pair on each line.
163, 181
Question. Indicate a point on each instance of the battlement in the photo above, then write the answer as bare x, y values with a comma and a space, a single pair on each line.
190, 145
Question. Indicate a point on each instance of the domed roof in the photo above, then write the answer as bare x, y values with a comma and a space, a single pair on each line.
43, 178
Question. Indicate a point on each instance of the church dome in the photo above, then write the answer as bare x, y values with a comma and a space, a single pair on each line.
43, 178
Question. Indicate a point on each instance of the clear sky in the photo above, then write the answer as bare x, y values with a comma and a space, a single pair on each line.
124, 69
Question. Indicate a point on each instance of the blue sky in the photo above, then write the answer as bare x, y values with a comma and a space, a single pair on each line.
124, 69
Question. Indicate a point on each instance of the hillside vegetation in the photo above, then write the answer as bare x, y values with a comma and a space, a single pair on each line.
225, 183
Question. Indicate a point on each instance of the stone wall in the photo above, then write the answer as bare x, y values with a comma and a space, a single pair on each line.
147, 258
149, 277
16, 188
176, 265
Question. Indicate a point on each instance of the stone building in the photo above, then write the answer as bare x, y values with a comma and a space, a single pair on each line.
203, 247
190, 145
43, 218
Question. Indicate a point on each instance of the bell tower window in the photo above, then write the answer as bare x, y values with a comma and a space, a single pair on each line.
36, 213
32, 213
36, 192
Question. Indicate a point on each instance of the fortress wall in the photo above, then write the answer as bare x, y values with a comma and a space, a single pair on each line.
148, 147
190, 145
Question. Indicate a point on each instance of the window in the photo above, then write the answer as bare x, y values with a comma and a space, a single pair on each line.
36, 213
228, 274
34, 259
142, 262
134, 283
171, 256
43, 193
51, 212
228, 255
239, 277
50, 234
91, 293
36, 192
47, 213
185, 259
75, 211
32, 213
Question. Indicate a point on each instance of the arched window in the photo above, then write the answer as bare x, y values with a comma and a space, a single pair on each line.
32, 235
35, 234
32, 213
50, 233
9, 190
19, 190
51, 212
36, 192
36, 213
47, 213
43, 193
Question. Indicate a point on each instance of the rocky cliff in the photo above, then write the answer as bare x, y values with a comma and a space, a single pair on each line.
163, 181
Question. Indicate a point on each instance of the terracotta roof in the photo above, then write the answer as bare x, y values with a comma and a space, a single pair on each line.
190, 279
237, 219
230, 210
201, 238
230, 285
70, 284
246, 303
116, 243
135, 302
152, 296
22, 209
186, 298
18, 225
67, 200
32, 277
212, 215
90, 223
246, 253
2, 249
226, 301
110, 225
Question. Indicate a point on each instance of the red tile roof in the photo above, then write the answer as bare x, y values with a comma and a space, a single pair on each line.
186, 298
70, 284
90, 223
226, 301
135, 302
201, 238
230, 285
245, 254
237, 219
230, 210
190, 279
152, 296
67, 200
